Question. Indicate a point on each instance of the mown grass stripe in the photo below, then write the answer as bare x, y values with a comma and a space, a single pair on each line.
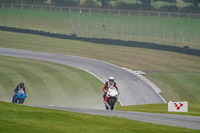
32, 81
184, 92
53, 84
7, 86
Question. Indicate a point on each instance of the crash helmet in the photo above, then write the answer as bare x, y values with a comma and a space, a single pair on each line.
21, 84
111, 79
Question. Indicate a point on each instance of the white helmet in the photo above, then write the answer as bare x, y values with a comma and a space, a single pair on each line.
111, 79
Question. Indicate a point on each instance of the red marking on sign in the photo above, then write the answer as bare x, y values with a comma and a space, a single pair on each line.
178, 106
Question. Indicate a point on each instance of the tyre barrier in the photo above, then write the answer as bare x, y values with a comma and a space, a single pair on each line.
147, 45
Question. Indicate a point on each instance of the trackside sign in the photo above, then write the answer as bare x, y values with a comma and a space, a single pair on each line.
178, 106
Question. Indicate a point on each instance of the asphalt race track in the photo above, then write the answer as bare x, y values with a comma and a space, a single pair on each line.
133, 91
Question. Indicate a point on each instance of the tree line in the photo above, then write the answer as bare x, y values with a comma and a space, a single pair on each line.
161, 5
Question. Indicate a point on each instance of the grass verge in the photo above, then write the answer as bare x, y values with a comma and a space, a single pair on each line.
183, 86
193, 109
22, 119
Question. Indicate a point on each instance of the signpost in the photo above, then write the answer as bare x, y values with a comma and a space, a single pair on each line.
178, 106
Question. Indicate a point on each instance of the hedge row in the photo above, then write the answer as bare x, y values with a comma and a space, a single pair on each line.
184, 50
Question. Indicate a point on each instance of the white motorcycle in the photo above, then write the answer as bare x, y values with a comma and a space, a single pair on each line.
113, 96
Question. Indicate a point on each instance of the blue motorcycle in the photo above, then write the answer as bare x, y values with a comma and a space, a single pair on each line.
19, 97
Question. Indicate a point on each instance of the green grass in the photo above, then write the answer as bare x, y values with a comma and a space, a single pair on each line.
134, 58
50, 84
193, 109
22, 119
186, 86
176, 74
163, 30
159, 66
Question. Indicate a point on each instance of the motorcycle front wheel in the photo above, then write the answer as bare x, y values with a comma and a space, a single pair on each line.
21, 101
111, 102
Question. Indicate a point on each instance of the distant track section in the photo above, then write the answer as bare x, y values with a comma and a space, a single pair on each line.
133, 91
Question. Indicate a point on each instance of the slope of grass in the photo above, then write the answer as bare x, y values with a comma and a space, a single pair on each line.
160, 66
22, 119
193, 109
49, 83
163, 30
187, 86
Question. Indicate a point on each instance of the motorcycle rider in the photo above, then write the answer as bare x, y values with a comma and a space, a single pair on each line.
108, 84
17, 88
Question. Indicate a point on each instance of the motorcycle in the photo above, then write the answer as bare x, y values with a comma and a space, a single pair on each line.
19, 97
113, 96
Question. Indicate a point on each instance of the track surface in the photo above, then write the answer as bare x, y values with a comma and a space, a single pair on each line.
133, 90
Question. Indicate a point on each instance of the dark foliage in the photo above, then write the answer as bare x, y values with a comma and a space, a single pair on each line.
68, 3
194, 2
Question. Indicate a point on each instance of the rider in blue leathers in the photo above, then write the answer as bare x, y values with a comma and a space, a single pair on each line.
18, 87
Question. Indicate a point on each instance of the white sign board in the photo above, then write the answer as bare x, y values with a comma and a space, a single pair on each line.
178, 106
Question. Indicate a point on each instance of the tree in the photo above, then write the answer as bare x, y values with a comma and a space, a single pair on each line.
104, 3
7, 1
65, 2
146, 4
169, 1
24, 1
194, 2
33, 1
91, 3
